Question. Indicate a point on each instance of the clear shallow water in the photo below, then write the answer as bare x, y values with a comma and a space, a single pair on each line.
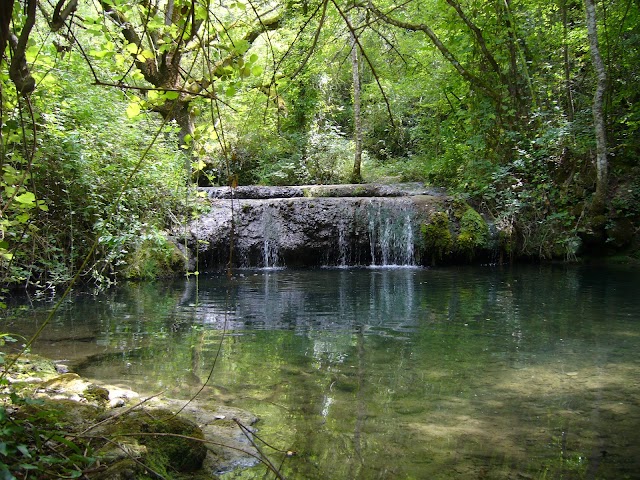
497, 373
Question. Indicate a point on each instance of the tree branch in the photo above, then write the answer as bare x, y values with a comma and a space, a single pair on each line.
60, 15
466, 74
19, 70
366, 57
479, 38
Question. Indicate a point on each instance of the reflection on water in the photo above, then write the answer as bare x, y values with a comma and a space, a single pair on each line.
389, 373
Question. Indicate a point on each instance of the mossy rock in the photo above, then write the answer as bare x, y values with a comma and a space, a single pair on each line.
474, 232
67, 413
173, 443
620, 232
155, 257
96, 393
29, 367
437, 235
126, 469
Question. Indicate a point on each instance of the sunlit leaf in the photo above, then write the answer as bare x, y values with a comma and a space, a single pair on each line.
199, 165
23, 217
99, 53
242, 46
133, 110
32, 53
131, 48
26, 198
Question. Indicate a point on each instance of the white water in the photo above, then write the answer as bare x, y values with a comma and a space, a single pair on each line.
391, 236
270, 245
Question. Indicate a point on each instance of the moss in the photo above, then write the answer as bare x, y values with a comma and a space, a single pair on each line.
359, 191
127, 469
153, 258
474, 232
620, 232
177, 446
30, 365
437, 235
95, 393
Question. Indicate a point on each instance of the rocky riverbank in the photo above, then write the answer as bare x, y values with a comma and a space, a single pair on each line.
60, 423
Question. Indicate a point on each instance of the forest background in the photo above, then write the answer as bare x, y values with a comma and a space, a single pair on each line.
112, 112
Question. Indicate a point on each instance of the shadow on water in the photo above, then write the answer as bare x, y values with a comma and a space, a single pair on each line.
389, 373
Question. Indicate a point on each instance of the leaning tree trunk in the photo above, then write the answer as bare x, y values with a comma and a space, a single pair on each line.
356, 176
598, 102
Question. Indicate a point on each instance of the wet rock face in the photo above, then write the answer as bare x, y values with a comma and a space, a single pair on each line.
336, 226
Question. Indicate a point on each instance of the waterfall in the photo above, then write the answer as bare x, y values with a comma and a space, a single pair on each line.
391, 234
343, 245
301, 231
270, 238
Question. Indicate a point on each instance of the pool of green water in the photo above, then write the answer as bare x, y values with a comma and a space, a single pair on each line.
461, 373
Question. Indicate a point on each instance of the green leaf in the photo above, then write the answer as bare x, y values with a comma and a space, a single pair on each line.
199, 165
23, 217
24, 450
171, 95
26, 198
257, 70
133, 110
32, 53
242, 46
131, 48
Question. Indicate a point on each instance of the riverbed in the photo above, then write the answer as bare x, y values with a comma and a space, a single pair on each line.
384, 373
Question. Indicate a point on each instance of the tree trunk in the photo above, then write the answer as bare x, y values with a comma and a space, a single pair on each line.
567, 65
356, 176
598, 111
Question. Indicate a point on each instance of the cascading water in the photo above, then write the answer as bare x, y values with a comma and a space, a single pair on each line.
270, 245
343, 245
276, 229
391, 234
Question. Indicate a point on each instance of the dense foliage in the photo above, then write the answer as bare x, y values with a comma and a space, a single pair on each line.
103, 105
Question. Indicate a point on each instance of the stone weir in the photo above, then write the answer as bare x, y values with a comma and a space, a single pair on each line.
333, 225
